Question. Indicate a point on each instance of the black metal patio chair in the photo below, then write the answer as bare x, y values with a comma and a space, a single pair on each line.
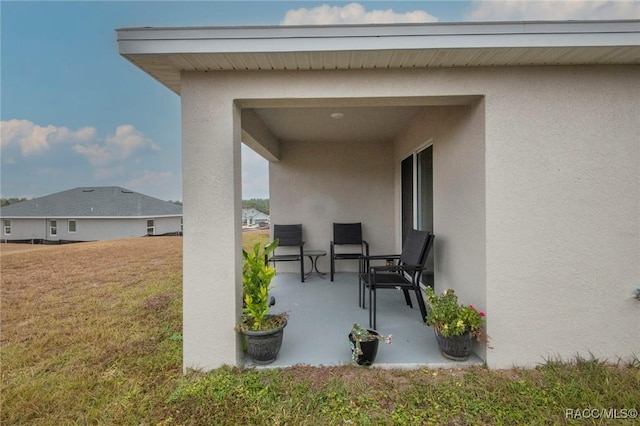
404, 275
350, 236
289, 236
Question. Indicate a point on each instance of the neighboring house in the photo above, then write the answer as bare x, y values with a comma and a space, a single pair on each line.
253, 217
516, 143
89, 214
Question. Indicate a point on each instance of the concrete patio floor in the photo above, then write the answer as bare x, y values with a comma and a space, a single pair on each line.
321, 314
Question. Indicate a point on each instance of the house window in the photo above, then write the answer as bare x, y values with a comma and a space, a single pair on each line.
53, 227
72, 226
151, 227
7, 227
181, 225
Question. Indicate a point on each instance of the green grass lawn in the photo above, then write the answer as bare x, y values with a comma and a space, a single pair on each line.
91, 334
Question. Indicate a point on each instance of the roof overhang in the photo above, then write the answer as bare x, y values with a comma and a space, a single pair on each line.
164, 53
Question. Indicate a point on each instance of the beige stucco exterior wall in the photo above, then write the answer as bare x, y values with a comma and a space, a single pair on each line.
317, 184
563, 213
212, 272
552, 230
457, 136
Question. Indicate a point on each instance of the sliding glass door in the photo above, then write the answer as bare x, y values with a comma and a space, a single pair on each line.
417, 194
407, 196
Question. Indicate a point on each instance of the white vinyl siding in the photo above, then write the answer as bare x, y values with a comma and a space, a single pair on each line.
87, 229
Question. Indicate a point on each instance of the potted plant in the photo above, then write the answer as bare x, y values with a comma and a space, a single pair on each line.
364, 344
262, 331
457, 327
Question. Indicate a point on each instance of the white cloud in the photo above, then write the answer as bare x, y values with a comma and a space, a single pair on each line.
35, 139
49, 172
112, 158
118, 147
127, 139
150, 178
164, 185
106, 173
96, 155
556, 10
255, 174
353, 13
62, 134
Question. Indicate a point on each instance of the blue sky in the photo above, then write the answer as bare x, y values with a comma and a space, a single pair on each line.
75, 113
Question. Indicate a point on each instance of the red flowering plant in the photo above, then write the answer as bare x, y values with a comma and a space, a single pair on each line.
450, 318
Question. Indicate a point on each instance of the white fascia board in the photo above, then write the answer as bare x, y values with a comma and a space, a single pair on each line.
377, 37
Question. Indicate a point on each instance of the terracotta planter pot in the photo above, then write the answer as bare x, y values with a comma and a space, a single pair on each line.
457, 348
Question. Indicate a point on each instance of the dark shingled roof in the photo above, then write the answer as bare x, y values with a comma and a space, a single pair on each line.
100, 201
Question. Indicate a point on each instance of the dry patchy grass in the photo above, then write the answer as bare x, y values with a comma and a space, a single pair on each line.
250, 238
82, 325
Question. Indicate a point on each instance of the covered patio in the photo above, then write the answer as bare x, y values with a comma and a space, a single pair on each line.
321, 314
515, 144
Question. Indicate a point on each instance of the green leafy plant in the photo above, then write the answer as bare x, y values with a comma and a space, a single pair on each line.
360, 335
256, 283
450, 318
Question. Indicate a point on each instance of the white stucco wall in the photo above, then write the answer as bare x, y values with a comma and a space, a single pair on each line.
317, 184
559, 205
212, 211
563, 213
457, 135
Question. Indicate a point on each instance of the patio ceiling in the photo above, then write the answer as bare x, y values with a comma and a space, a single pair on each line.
362, 119
316, 124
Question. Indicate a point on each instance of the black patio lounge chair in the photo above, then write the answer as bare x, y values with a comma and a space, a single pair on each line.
349, 235
405, 275
289, 236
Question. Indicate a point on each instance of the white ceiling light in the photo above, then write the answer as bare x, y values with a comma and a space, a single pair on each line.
337, 115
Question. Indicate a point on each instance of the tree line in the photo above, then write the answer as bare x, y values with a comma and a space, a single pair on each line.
9, 201
260, 204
